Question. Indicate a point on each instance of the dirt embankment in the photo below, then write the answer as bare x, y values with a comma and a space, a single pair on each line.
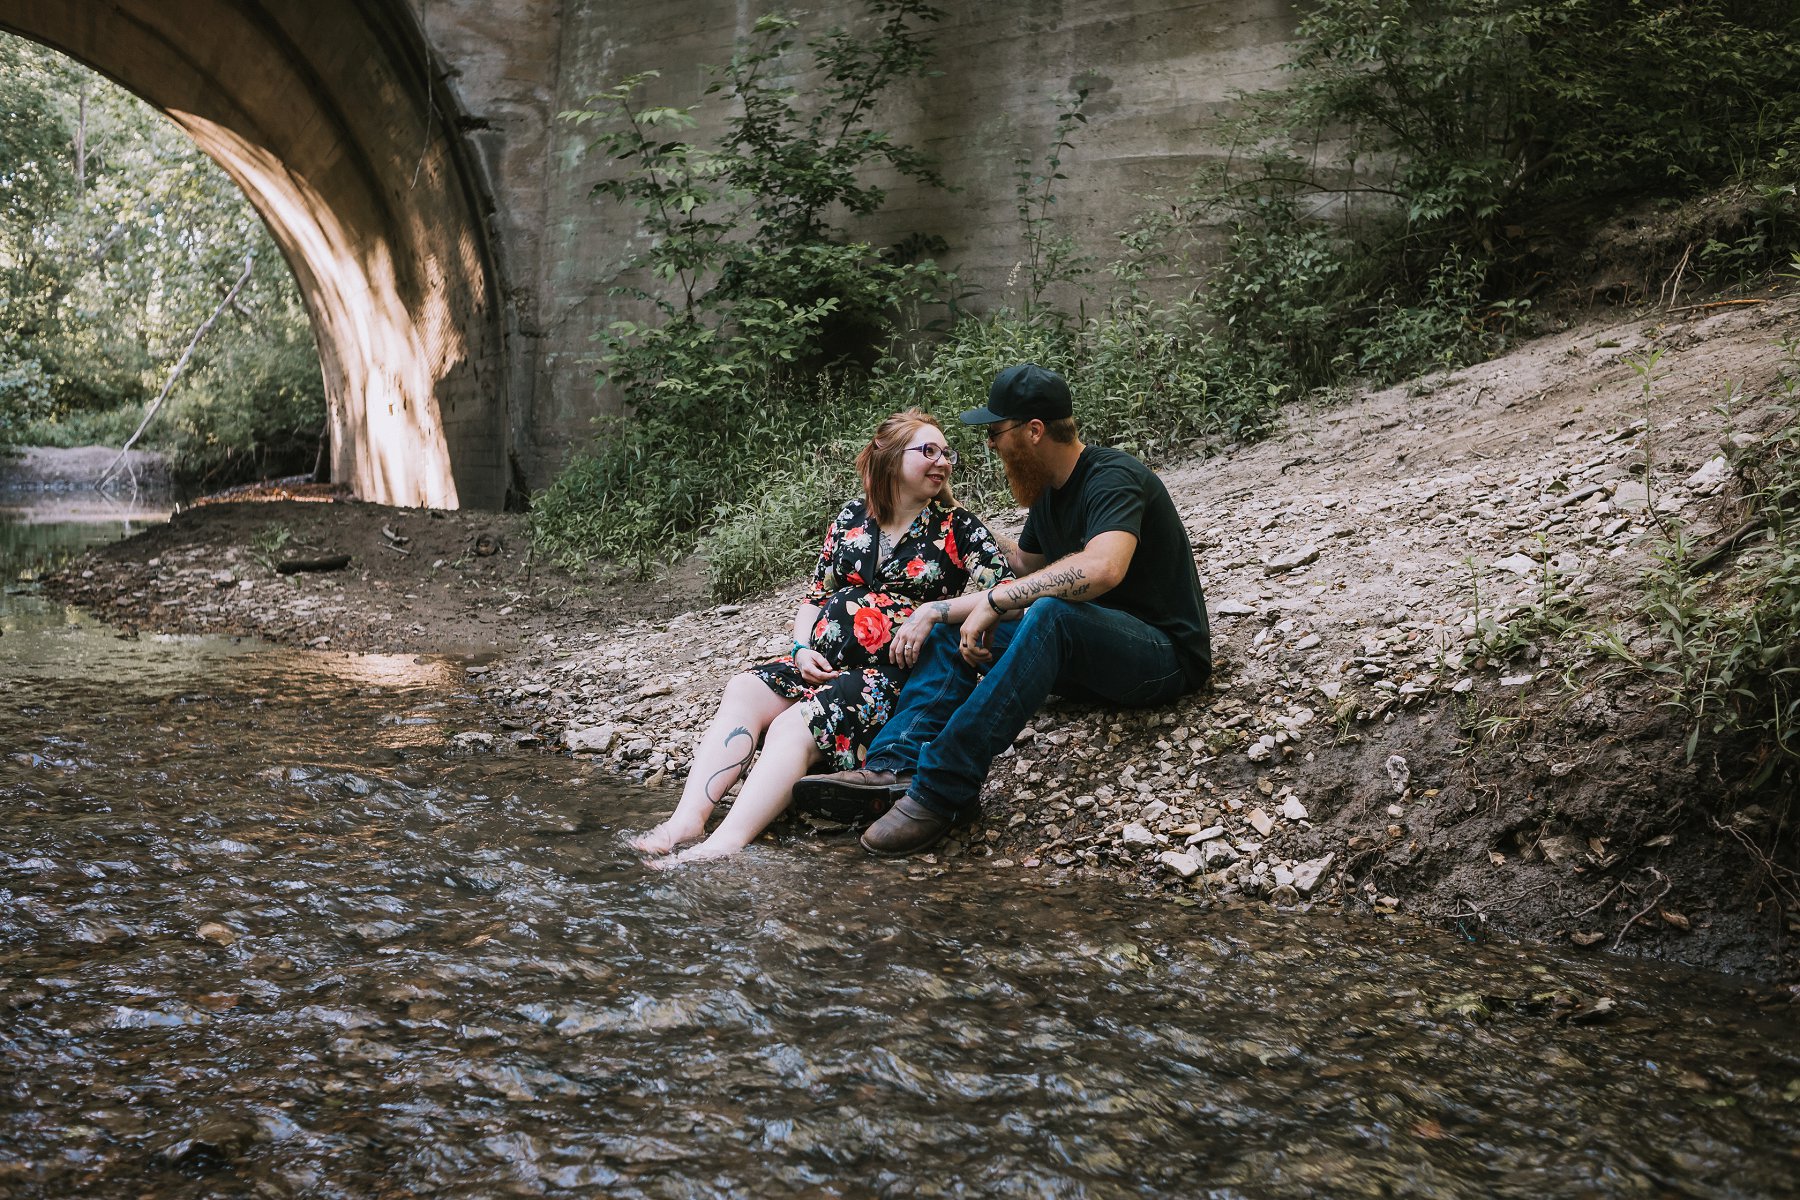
1392, 728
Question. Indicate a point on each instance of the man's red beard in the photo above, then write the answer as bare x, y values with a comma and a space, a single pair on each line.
1026, 476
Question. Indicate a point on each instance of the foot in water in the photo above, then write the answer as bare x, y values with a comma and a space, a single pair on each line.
663, 838
706, 851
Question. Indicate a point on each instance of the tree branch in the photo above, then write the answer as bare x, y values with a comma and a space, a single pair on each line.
180, 366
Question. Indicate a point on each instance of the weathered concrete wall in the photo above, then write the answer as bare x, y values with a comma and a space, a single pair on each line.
328, 114
409, 158
1159, 73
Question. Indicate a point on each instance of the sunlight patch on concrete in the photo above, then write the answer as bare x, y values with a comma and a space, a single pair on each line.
377, 354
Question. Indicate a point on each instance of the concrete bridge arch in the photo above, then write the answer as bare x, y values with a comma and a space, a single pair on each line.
332, 117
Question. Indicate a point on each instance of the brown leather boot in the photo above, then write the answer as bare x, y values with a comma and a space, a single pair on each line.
908, 828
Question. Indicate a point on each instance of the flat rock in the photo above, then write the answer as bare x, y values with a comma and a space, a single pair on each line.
1217, 851
217, 934
596, 739
1180, 862
1292, 560
1308, 874
1137, 836
1711, 476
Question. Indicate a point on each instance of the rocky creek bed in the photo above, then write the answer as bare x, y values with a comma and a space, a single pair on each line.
1393, 727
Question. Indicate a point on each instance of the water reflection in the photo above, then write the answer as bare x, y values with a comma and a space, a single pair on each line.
267, 932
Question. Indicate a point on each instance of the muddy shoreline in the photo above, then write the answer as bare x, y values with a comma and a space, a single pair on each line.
1374, 738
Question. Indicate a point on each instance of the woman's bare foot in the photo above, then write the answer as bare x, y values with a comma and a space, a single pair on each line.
663, 838
706, 851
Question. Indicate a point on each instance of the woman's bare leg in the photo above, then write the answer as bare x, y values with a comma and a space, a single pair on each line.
745, 712
788, 754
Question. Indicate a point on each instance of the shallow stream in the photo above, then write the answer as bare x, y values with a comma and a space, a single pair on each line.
263, 933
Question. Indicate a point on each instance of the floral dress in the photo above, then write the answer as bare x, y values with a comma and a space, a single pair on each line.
862, 601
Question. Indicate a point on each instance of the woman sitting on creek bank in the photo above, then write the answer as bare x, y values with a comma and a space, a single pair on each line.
904, 544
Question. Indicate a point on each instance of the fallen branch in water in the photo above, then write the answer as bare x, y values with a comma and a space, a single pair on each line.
180, 366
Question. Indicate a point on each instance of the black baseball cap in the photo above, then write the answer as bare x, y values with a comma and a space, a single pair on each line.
1024, 393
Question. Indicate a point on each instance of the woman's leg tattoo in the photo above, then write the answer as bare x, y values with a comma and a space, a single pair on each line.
729, 768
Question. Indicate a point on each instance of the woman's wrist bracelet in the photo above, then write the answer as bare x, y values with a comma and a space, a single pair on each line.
992, 604
799, 646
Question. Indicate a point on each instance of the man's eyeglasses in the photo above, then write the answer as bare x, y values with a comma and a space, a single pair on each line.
932, 452
995, 431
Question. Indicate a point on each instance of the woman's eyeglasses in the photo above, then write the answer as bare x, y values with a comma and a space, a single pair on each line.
932, 452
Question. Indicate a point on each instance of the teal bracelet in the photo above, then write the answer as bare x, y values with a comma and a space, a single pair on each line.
799, 646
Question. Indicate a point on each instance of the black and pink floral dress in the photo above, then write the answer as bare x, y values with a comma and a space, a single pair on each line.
862, 602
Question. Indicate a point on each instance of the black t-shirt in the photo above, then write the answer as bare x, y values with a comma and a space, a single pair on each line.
1110, 490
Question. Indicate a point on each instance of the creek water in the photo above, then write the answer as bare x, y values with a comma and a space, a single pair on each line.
263, 933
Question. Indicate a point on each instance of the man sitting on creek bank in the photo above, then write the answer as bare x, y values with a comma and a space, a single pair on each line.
1108, 608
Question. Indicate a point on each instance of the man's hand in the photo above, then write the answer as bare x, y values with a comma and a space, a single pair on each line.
909, 639
977, 642
814, 667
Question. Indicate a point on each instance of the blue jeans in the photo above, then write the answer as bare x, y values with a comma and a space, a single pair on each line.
952, 721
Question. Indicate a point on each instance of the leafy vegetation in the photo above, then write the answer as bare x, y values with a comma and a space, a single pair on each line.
117, 238
1411, 184
1391, 219
759, 310
1727, 631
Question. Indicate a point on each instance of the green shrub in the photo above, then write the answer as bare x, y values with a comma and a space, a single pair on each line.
1399, 181
774, 534
24, 398
105, 427
1728, 644
650, 484
764, 317
254, 410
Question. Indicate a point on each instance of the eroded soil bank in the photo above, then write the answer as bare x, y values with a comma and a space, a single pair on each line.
1392, 726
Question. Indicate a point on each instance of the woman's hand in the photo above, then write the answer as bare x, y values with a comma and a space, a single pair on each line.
909, 639
814, 667
977, 641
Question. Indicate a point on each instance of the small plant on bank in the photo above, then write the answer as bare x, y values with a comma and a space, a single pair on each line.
1727, 644
267, 543
1052, 255
757, 309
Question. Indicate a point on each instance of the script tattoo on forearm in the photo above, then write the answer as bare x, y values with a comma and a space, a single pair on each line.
728, 768
1071, 583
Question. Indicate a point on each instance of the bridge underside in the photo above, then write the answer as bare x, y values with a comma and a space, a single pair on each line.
331, 117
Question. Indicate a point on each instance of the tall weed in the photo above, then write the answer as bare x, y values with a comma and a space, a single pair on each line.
1728, 643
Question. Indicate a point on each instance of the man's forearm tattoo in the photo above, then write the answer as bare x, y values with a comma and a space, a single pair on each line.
1071, 583
939, 609
728, 768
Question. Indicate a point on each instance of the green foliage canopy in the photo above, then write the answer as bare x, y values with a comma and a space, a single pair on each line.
110, 258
